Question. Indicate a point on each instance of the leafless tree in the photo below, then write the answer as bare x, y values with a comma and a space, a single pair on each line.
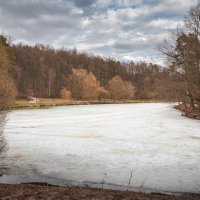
7, 87
3, 144
182, 50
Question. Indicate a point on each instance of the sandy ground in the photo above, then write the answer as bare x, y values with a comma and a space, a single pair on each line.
31, 192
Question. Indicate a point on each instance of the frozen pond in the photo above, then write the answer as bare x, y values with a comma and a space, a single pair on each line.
103, 145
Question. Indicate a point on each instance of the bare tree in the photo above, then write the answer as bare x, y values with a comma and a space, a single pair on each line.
182, 50
3, 145
7, 88
7, 94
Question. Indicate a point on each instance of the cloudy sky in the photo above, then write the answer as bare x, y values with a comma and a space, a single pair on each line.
121, 29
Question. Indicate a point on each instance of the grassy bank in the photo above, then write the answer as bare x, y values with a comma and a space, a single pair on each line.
46, 103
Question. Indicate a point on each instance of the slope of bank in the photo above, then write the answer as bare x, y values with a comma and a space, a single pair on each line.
26, 191
188, 111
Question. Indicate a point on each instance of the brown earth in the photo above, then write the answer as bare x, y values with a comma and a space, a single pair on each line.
31, 192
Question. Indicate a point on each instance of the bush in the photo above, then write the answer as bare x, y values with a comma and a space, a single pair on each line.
83, 85
119, 89
65, 94
102, 93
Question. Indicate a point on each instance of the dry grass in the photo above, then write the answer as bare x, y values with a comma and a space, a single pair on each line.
47, 102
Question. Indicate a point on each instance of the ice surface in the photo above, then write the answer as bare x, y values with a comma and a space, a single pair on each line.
103, 144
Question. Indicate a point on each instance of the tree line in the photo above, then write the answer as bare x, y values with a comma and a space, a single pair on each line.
43, 71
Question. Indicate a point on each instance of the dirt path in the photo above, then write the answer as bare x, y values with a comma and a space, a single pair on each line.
31, 192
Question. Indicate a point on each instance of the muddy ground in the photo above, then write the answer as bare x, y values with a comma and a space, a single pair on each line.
31, 192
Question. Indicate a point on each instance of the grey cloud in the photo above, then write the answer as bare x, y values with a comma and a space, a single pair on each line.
117, 28
31, 9
84, 3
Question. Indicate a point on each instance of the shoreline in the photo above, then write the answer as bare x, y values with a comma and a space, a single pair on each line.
47, 103
46, 191
187, 111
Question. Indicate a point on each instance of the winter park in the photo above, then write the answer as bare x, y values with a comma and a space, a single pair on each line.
100, 99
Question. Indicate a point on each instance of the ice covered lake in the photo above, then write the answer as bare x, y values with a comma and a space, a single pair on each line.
102, 145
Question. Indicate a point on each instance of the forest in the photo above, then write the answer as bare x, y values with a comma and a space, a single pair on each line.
42, 71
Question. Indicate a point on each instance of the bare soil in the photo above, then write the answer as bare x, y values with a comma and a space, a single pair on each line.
31, 192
